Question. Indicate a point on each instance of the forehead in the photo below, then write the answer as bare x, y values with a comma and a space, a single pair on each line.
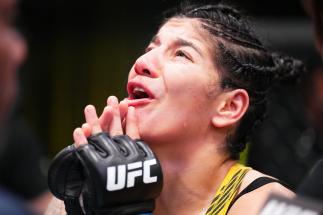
190, 30
183, 24
186, 28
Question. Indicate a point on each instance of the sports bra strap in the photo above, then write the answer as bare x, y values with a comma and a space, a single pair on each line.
259, 182
227, 190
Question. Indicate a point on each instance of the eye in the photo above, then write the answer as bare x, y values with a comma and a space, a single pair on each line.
148, 49
180, 53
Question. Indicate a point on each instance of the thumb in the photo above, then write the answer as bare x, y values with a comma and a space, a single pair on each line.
132, 124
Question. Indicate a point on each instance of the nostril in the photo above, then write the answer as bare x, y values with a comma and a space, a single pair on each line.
146, 72
143, 68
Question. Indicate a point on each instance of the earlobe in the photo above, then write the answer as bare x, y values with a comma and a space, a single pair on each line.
231, 108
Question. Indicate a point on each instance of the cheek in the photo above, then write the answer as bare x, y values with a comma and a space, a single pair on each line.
185, 98
185, 88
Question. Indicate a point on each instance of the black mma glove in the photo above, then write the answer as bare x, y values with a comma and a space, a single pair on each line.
122, 176
65, 179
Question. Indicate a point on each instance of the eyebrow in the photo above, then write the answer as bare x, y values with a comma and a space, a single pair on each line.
179, 42
154, 39
182, 42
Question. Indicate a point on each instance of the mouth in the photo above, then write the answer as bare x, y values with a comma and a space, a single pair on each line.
138, 92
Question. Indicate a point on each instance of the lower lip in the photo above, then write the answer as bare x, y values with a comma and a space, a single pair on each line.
139, 102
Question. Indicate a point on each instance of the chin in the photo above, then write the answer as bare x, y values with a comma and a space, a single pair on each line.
146, 134
149, 134
156, 136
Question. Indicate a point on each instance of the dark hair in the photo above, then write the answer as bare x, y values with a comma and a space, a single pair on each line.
242, 60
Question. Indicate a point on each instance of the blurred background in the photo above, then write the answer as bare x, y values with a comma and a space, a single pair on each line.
80, 52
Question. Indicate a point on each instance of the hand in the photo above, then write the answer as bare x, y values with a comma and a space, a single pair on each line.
116, 118
65, 176
65, 179
122, 175
139, 176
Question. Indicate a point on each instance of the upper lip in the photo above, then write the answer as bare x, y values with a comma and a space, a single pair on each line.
133, 84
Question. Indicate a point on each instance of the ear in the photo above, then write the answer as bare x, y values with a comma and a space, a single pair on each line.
231, 107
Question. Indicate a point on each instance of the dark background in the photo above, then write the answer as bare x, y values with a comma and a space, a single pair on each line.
81, 51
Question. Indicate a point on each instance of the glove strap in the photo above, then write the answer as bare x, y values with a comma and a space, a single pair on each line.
129, 209
133, 209
73, 207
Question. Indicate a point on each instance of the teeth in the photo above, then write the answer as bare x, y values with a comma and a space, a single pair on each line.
136, 89
139, 93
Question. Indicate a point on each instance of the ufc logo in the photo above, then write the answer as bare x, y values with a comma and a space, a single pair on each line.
121, 176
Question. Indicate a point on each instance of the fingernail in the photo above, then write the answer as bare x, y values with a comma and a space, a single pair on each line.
89, 108
113, 100
131, 108
124, 103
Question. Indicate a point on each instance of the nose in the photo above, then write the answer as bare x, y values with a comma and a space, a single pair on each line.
141, 69
146, 66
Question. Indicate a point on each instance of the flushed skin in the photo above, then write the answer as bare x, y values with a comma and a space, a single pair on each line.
179, 104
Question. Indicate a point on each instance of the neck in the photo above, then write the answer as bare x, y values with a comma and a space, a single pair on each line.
192, 173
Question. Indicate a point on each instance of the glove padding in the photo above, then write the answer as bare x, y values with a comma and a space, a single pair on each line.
122, 176
65, 179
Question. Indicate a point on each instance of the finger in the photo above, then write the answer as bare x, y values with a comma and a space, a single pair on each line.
79, 137
115, 126
123, 108
132, 124
87, 130
106, 118
92, 119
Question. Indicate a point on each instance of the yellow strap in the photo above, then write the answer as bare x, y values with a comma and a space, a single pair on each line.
227, 191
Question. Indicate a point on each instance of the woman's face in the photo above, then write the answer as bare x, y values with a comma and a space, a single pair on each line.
170, 84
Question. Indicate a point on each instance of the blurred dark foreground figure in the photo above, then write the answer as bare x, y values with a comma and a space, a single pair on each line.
12, 52
22, 183
12, 205
312, 185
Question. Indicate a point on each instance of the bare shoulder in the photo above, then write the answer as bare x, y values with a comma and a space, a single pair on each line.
251, 202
